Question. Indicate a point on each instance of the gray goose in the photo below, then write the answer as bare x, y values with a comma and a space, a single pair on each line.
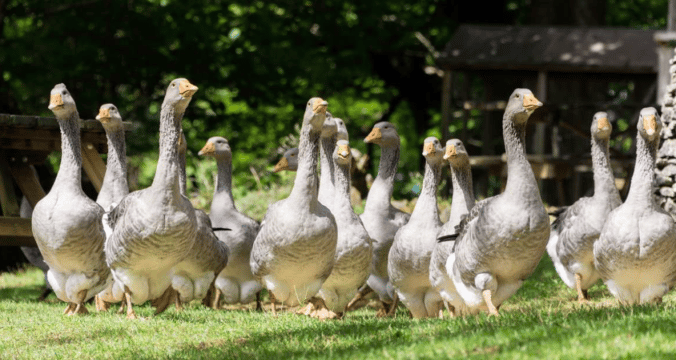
409, 258
354, 249
294, 250
326, 191
462, 203
114, 186
193, 277
571, 243
153, 229
289, 161
380, 218
235, 282
503, 238
66, 223
636, 252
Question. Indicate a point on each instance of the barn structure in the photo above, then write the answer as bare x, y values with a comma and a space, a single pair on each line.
574, 71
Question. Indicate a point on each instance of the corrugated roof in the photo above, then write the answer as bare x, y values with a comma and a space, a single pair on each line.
551, 48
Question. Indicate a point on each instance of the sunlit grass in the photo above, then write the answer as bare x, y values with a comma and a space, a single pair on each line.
541, 322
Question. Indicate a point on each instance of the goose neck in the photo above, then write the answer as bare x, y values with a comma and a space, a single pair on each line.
379, 195
463, 192
69, 174
342, 186
168, 166
426, 206
644, 171
604, 180
115, 184
326, 180
223, 192
520, 178
304, 190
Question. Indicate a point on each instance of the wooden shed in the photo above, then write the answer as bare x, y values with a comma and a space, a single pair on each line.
574, 71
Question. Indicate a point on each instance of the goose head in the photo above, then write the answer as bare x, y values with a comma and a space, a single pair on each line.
383, 133
315, 113
343, 155
329, 128
217, 147
61, 102
521, 105
109, 117
456, 154
342, 129
601, 127
649, 124
432, 150
289, 161
179, 93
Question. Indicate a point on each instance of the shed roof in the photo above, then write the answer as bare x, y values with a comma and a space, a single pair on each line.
551, 48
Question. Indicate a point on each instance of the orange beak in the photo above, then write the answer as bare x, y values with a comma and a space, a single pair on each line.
374, 135
650, 124
208, 149
283, 164
428, 148
343, 151
603, 124
104, 115
186, 89
530, 102
450, 152
319, 106
55, 101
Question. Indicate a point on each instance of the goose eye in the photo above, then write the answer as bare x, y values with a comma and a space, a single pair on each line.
63, 92
293, 154
173, 85
516, 96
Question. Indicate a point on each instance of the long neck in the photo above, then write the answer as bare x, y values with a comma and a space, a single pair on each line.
69, 174
304, 189
604, 180
463, 193
115, 184
426, 206
326, 180
223, 192
182, 176
342, 186
380, 193
520, 178
167, 173
644, 171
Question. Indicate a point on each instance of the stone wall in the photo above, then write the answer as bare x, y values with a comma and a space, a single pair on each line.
666, 157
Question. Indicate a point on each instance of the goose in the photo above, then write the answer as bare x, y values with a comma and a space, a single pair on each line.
235, 282
32, 253
325, 194
503, 238
114, 186
154, 229
66, 223
408, 263
193, 277
294, 250
289, 161
462, 203
353, 250
636, 251
571, 242
341, 129
380, 218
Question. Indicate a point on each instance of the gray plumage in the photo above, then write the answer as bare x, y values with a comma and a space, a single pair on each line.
354, 250
153, 229
326, 191
462, 203
504, 237
193, 276
636, 252
289, 161
114, 186
409, 258
576, 229
32, 253
236, 282
294, 250
66, 223
380, 218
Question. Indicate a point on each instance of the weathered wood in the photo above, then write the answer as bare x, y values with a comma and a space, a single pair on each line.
16, 231
93, 165
27, 180
28, 157
10, 206
446, 88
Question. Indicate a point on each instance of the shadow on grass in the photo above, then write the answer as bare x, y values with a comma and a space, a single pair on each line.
27, 293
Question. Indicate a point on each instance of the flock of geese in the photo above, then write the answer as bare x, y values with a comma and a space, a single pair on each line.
311, 248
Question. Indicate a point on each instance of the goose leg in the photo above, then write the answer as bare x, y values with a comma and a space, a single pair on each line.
69, 309
321, 311
121, 309
101, 305
163, 302
492, 310
392, 310
130, 311
581, 296
259, 305
272, 303
178, 303
208, 300
44, 294
365, 290
217, 299
79, 307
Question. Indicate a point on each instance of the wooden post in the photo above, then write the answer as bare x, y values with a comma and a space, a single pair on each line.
10, 206
93, 165
446, 88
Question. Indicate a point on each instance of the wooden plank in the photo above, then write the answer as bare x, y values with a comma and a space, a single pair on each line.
27, 179
10, 206
30, 144
93, 165
446, 83
16, 231
28, 157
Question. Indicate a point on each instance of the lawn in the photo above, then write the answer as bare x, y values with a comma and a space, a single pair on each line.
541, 321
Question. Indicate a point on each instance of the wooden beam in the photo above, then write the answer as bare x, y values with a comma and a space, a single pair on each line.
16, 231
93, 165
27, 179
10, 206
446, 88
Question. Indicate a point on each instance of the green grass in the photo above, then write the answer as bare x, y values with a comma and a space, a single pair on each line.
542, 321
